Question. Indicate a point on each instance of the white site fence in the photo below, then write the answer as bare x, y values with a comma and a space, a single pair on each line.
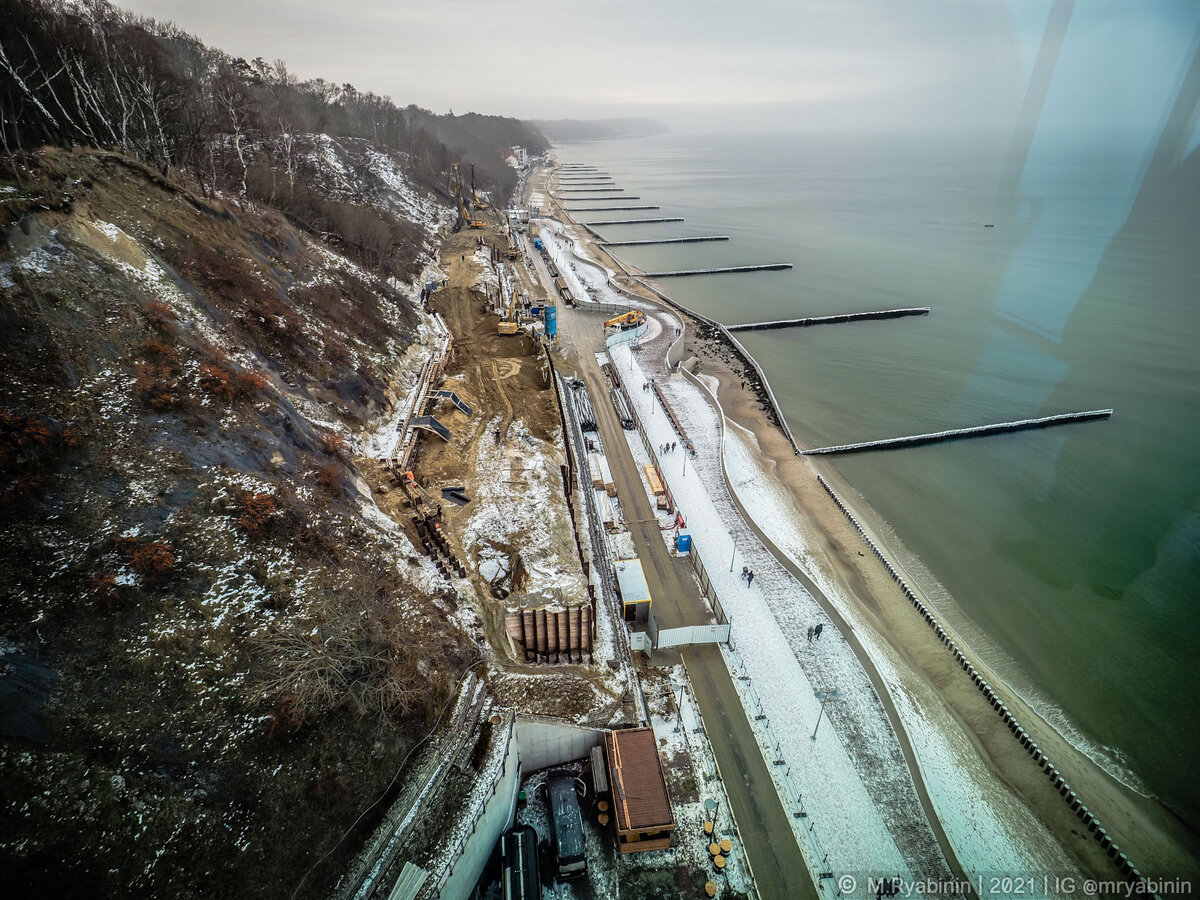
692, 634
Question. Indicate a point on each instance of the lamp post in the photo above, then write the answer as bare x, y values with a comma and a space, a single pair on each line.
675, 685
733, 533
823, 696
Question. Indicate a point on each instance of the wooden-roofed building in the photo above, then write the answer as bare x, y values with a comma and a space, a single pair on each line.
641, 803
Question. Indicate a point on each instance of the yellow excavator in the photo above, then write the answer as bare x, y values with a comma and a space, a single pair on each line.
624, 322
508, 325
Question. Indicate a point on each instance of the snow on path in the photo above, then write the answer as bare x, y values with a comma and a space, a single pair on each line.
848, 824
991, 829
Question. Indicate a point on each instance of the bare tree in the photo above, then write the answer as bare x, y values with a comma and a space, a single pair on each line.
231, 96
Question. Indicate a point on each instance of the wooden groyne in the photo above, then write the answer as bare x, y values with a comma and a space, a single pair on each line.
679, 273
832, 320
609, 208
589, 199
674, 240
635, 221
976, 431
591, 190
591, 180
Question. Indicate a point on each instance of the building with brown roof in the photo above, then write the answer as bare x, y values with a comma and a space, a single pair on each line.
641, 803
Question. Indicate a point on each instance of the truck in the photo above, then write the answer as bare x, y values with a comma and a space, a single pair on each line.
569, 848
632, 319
538, 245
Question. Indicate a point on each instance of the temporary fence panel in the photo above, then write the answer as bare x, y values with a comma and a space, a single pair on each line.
692, 634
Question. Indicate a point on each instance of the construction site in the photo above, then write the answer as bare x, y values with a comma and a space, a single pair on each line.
497, 471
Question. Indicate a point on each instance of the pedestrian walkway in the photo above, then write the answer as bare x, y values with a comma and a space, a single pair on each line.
861, 810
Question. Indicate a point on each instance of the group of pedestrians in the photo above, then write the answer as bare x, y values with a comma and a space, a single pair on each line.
748, 575
667, 448
814, 631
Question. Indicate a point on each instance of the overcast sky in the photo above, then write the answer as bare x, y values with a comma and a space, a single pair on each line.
877, 64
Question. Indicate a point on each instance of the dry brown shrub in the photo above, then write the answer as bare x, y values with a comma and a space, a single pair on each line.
329, 477
256, 510
153, 561
284, 717
27, 486
215, 382
334, 444
105, 591
157, 348
125, 545
160, 315
220, 380
247, 384
21, 434
157, 384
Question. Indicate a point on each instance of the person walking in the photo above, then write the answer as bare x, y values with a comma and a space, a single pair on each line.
750, 578
817, 630
810, 631
745, 572
672, 446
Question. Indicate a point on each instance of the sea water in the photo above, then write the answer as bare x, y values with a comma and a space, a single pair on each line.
1069, 557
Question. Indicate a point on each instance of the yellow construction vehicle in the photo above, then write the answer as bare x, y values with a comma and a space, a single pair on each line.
476, 203
508, 325
463, 214
631, 319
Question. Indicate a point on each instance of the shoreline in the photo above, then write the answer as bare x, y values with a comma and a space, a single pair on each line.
1152, 834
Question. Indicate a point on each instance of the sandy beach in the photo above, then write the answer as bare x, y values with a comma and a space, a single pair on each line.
907, 659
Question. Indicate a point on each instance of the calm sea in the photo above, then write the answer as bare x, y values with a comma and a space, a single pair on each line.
1070, 557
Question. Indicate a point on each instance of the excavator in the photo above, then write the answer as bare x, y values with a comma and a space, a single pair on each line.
508, 325
624, 322
464, 215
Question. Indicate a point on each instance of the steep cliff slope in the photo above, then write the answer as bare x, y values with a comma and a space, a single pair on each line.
214, 650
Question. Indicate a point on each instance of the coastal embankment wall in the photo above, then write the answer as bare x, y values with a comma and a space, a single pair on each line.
1087, 820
